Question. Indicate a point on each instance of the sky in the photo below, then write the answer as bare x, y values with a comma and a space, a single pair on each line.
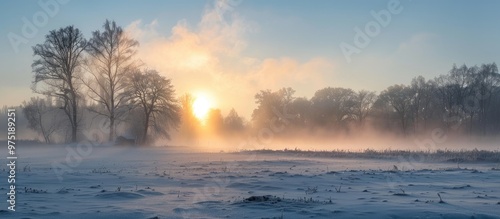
229, 50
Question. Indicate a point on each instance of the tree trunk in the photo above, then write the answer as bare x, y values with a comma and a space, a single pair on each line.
45, 136
146, 126
403, 124
111, 127
112, 110
75, 119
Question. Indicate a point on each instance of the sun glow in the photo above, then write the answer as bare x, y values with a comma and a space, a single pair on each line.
201, 106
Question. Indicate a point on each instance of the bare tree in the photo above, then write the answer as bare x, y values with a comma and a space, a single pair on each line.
111, 59
269, 106
301, 109
58, 65
154, 95
456, 91
422, 101
363, 103
333, 107
214, 121
484, 82
41, 117
190, 124
400, 97
233, 122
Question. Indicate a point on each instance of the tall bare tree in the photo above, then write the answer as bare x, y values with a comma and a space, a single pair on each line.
111, 59
155, 97
58, 65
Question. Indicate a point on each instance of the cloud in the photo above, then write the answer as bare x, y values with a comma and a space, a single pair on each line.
286, 71
209, 57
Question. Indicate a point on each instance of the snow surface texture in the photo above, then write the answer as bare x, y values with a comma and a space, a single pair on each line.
158, 183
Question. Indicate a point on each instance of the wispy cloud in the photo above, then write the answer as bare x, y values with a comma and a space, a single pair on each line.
210, 57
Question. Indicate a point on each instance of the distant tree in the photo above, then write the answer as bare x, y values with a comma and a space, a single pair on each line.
233, 122
363, 104
384, 116
423, 102
301, 109
400, 97
454, 92
493, 115
189, 123
215, 121
272, 107
333, 107
467, 96
58, 65
111, 54
42, 118
154, 96
485, 81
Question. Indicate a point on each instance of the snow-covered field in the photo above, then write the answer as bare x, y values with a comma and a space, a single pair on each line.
113, 182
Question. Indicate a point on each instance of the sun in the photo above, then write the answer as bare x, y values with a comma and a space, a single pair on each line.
201, 106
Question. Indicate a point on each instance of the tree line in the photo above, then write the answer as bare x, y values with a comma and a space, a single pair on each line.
466, 100
100, 79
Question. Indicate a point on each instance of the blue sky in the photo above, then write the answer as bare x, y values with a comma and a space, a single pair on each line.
269, 44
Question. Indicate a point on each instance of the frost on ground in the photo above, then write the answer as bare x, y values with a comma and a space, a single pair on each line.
159, 183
